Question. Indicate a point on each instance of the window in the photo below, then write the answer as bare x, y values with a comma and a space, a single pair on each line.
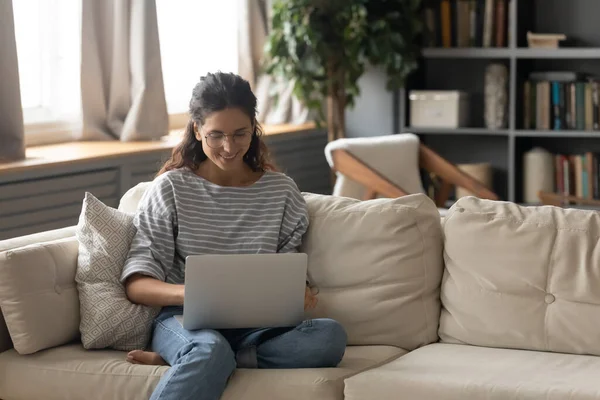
48, 48
196, 37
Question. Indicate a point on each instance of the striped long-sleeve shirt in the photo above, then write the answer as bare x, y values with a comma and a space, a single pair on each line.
183, 214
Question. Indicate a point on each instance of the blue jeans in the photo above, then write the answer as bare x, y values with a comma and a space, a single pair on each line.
202, 361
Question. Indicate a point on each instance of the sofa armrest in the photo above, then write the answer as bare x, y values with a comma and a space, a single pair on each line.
39, 237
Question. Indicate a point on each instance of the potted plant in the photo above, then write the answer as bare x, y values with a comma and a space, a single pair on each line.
323, 46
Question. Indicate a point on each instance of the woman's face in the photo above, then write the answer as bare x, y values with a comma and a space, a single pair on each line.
226, 137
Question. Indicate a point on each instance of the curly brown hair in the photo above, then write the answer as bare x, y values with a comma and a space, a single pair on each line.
216, 92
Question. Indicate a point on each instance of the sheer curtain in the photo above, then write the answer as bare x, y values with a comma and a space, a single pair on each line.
12, 144
122, 89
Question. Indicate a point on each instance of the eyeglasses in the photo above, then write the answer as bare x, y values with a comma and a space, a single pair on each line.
216, 140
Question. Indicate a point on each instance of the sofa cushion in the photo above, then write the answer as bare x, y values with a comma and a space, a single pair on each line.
130, 200
74, 373
34, 238
22, 241
108, 318
38, 296
521, 277
460, 372
377, 265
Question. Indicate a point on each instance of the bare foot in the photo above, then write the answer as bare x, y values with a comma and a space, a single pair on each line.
145, 357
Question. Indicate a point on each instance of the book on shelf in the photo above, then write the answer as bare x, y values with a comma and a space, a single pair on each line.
558, 101
466, 23
577, 175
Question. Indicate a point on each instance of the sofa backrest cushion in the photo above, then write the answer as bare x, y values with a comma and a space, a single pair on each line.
35, 238
38, 295
377, 265
130, 200
521, 277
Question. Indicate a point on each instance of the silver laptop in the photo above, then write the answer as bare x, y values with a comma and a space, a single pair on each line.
244, 291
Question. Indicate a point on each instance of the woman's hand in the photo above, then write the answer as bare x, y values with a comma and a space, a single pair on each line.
310, 300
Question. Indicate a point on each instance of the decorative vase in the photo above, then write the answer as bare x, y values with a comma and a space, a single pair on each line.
495, 96
538, 174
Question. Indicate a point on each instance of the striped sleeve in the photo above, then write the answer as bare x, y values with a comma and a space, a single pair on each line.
152, 250
294, 223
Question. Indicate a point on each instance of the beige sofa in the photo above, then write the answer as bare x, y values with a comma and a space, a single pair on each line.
495, 302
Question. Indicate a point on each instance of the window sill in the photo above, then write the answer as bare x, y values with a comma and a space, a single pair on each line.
74, 153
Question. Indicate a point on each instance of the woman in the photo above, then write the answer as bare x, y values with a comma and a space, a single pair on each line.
218, 194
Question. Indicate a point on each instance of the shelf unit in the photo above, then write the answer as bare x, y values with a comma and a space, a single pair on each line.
508, 53
463, 69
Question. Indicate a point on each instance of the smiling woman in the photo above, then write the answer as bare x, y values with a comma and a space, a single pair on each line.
226, 150
223, 129
217, 195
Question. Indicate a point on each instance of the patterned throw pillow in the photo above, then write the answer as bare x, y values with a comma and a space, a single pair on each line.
108, 318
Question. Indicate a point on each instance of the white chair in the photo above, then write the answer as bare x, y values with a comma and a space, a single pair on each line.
389, 166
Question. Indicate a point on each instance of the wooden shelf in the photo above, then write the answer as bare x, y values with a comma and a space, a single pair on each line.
456, 131
557, 134
466, 52
560, 53
505, 52
556, 199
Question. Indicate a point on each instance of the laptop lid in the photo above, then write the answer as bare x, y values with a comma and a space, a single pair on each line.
244, 290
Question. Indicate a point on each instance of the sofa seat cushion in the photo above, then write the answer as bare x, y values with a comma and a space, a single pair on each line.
460, 372
71, 372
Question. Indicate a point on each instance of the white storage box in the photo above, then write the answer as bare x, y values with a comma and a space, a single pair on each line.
439, 108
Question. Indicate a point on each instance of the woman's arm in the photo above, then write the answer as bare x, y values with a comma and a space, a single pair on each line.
152, 249
150, 291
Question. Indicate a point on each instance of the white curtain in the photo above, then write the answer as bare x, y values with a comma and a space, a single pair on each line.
254, 25
12, 143
122, 87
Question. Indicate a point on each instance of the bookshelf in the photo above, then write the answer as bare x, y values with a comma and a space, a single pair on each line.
463, 68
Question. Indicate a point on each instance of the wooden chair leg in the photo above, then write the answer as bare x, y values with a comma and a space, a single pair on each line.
370, 194
355, 169
432, 162
441, 197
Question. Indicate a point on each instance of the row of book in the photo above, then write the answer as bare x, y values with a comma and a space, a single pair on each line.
466, 23
561, 101
577, 175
